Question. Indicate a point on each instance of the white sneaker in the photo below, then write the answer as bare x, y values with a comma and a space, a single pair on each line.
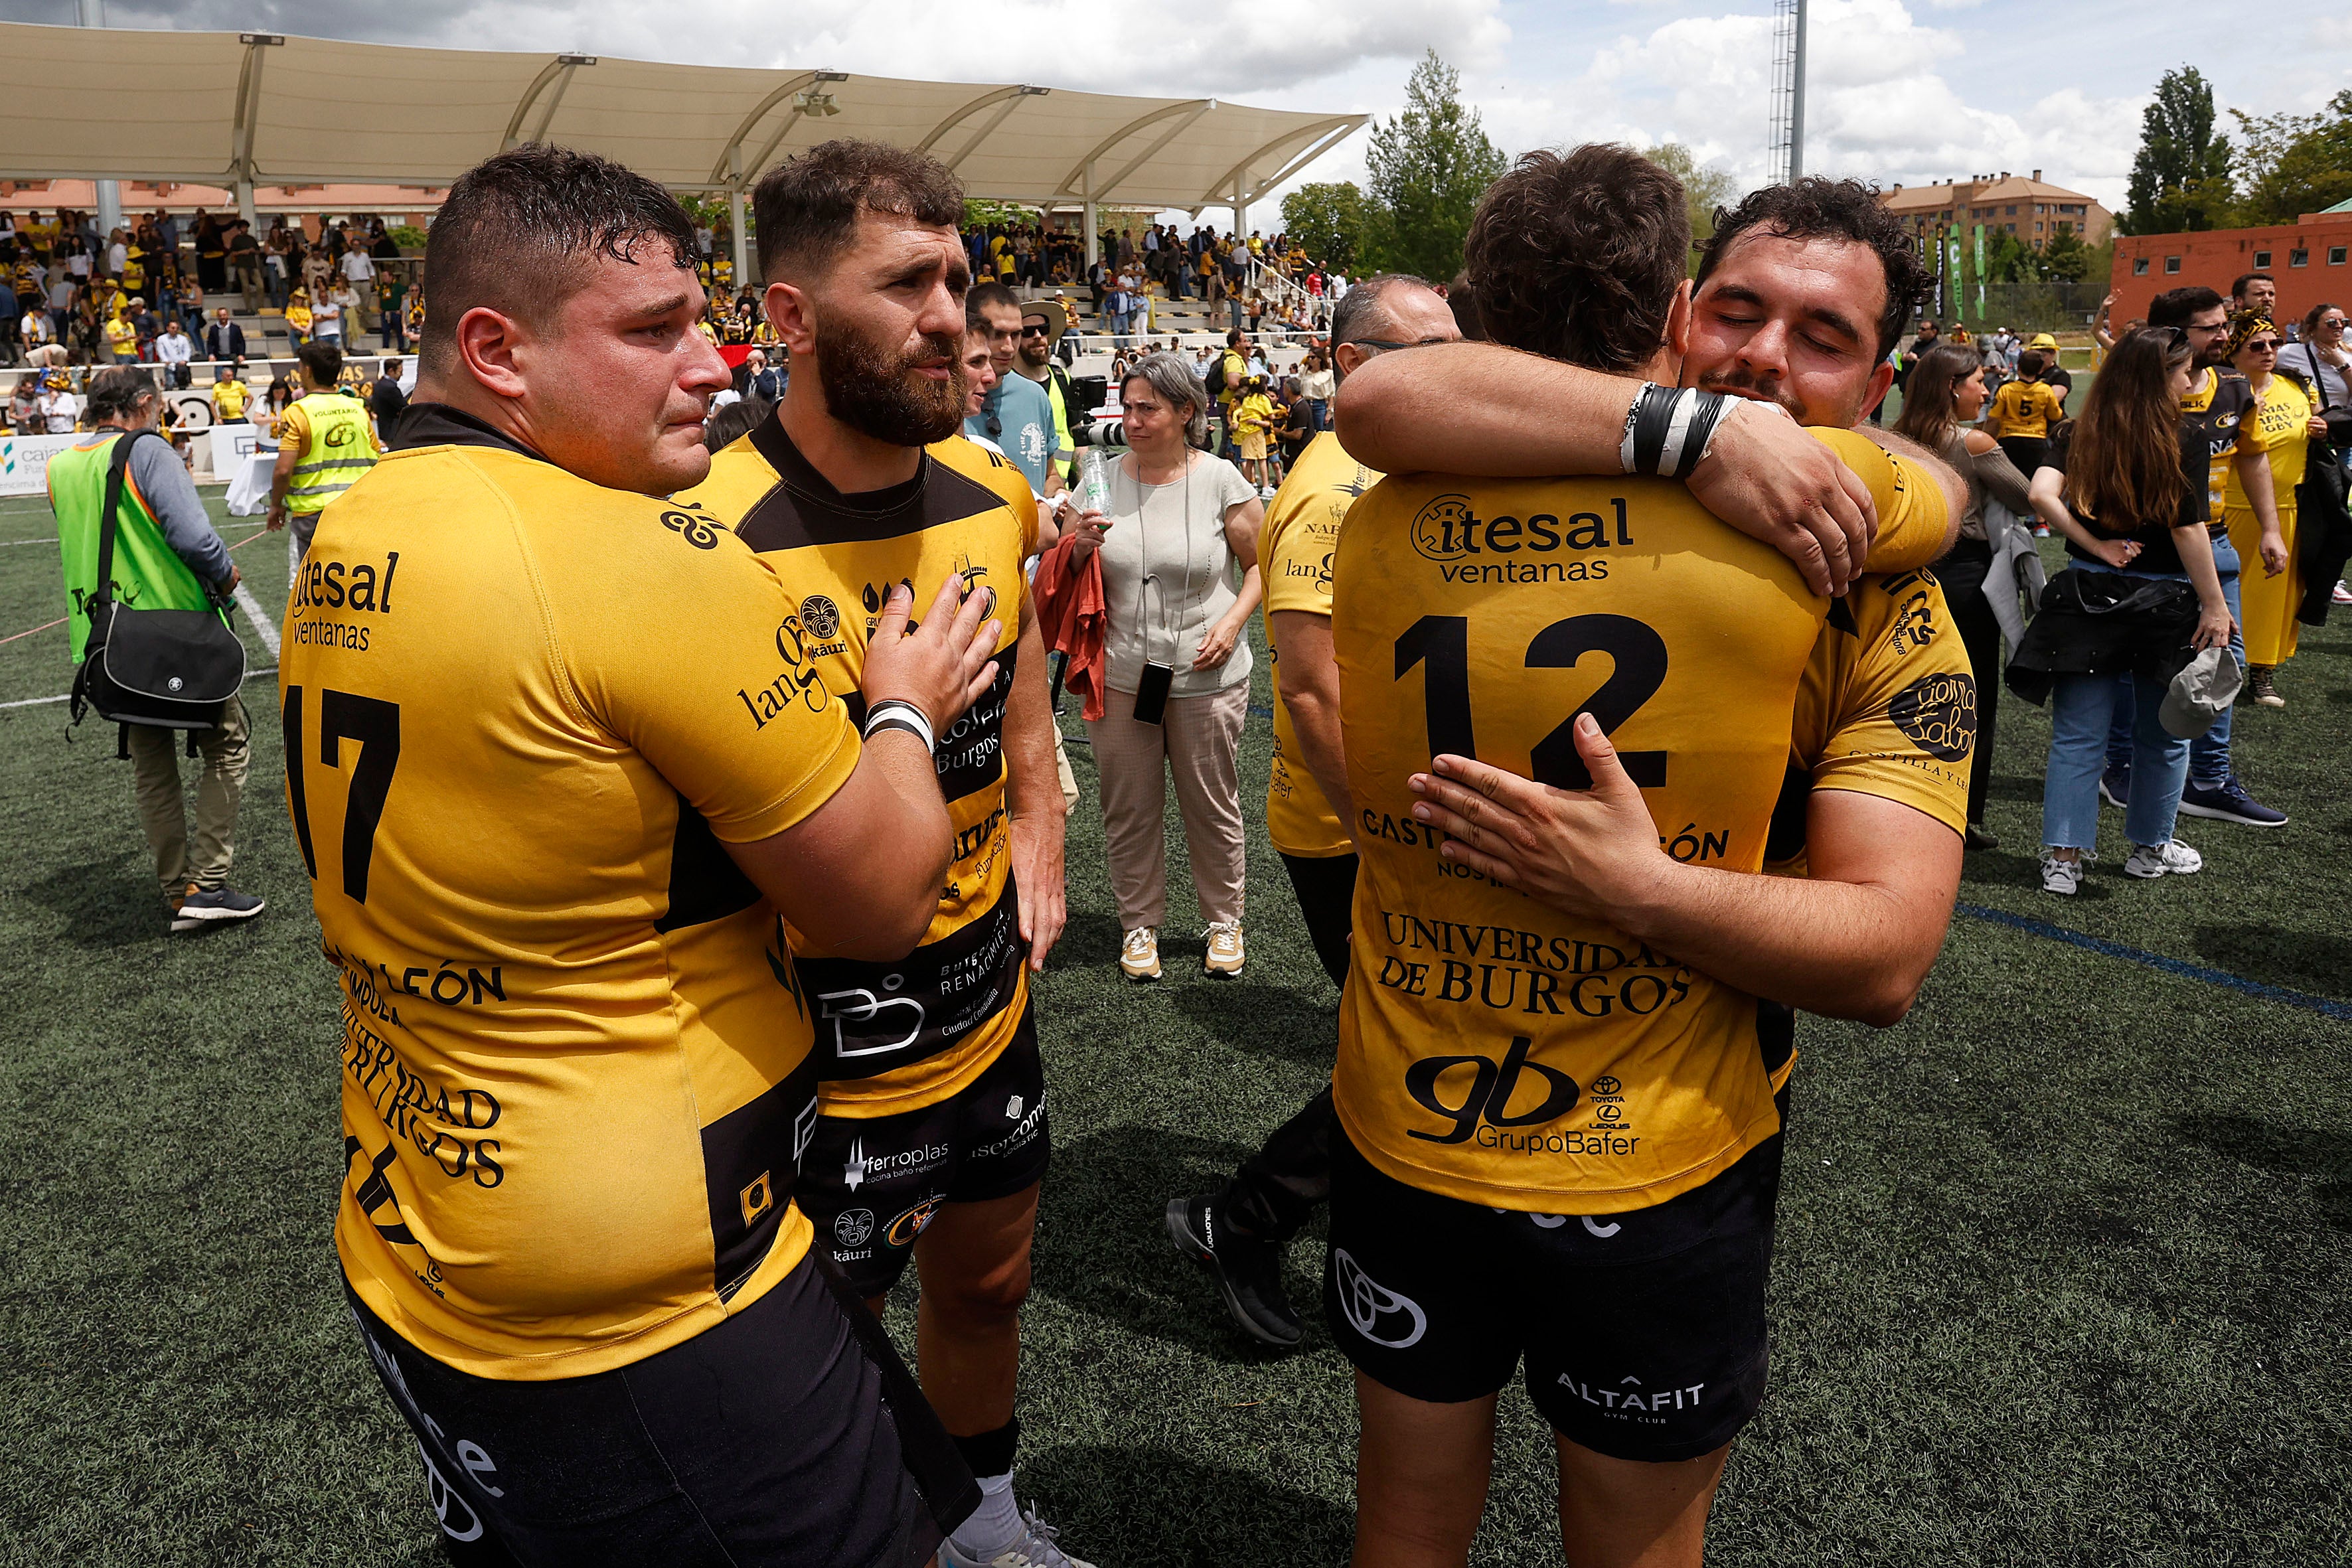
2157, 859
1138, 955
2343, 595
2061, 876
1225, 958
1034, 1548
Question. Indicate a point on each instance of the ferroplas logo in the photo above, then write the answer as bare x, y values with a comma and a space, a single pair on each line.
893, 1165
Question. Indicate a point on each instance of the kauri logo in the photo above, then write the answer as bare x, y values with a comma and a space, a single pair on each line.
820, 616
1441, 531
852, 1227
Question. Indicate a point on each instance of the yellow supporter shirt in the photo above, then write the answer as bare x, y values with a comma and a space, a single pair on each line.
1491, 1049
228, 400
900, 1036
1253, 413
524, 713
2024, 408
1302, 530
2283, 425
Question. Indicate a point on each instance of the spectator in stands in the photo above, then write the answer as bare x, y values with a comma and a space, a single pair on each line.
327, 317
298, 319
37, 331
212, 254
59, 409
274, 268
119, 337
173, 350
1178, 521
224, 340
2141, 587
386, 402
1316, 383
244, 263
392, 307
25, 406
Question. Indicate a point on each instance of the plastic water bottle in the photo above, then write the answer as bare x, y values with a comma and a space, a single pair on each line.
1094, 480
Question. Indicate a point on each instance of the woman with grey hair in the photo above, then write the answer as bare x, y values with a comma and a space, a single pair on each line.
1179, 521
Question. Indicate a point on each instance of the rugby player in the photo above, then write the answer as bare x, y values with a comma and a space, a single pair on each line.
1557, 1090
558, 757
933, 1139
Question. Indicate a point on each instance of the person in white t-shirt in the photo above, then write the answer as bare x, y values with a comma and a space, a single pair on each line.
359, 273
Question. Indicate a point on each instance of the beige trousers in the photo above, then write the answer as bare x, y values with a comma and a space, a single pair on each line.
224, 754
1197, 743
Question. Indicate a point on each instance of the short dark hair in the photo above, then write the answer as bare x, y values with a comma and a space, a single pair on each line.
1354, 317
807, 207
324, 360
985, 297
2031, 364
2238, 288
516, 232
1576, 256
1464, 300
1816, 208
2175, 305
116, 394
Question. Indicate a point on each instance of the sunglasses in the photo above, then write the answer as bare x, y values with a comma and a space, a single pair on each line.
2331, 320
1037, 331
2263, 345
1392, 343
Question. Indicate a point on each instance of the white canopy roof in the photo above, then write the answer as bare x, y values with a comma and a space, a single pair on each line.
225, 107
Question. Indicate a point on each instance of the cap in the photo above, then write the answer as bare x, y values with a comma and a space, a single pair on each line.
2042, 341
1057, 318
2200, 693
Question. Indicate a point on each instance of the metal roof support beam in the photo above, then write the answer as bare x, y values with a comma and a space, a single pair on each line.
1069, 185
1012, 98
1231, 180
728, 159
1314, 150
248, 105
1104, 189
551, 82
966, 113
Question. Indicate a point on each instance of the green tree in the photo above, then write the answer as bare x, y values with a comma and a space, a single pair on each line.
2067, 259
2290, 164
1328, 221
1428, 168
1705, 189
979, 211
2180, 177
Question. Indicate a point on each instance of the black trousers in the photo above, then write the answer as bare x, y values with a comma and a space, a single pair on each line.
2027, 452
1277, 1189
1962, 574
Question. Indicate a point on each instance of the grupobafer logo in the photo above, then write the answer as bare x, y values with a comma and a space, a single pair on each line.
1938, 712
1442, 528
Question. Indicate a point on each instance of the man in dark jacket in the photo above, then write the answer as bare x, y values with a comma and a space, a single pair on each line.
224, 339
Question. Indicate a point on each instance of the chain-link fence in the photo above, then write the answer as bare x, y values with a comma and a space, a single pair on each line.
2021, 307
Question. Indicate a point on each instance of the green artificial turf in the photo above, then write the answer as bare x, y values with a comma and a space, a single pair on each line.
2063, 1272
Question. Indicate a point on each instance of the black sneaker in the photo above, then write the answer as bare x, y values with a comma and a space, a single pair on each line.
2114, 786
1248, 1271
214, 904
2230, 802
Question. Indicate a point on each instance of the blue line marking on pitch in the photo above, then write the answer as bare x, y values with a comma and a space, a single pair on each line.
2342, 1010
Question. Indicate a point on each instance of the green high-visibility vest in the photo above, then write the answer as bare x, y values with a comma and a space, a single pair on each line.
148, 574
340, 449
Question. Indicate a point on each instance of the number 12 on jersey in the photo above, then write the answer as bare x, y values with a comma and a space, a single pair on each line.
1441, 645
374, 724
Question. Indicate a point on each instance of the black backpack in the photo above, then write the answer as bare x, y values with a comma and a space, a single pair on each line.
1217, 375
169, 670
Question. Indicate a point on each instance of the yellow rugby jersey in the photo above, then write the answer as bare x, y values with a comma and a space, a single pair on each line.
1302, 528
900, 1036
521, 714
1491, 1049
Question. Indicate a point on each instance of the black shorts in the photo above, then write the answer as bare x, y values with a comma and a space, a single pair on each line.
871, 1184
1644, 1334
789, 1436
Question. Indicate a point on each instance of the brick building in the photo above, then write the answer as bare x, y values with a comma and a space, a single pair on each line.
2311, 259
2031, 208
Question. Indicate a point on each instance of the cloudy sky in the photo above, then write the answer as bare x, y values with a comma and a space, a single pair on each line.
1908, 91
